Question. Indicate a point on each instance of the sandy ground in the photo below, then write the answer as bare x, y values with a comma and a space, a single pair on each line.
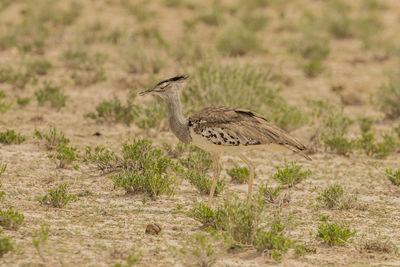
101, 228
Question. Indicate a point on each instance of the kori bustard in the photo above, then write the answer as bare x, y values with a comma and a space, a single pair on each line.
222, 129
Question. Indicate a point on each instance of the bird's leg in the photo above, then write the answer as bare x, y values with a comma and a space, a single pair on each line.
215, 159
251, 177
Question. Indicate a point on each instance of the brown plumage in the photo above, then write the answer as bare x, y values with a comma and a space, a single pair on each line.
238, 127
222, 129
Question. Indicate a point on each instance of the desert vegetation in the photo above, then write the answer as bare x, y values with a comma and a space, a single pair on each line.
87, 166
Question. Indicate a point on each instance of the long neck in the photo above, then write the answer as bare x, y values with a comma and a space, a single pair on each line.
177, 123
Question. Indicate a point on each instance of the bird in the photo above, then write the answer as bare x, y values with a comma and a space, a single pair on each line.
221, 129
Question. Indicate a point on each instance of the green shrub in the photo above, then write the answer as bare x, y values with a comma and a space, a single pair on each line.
6, 245
17, 78
245, 226
115, 111
105, 159
313, 50
313, 68
23, 101
131, 260
39, 238
273, 241
203, 249
388, 97
202, 183
238, 174
3, 168
237, 41
291, 174
368, 144
335, 197
152, 183
204, 214
334, 234
269, 194
9, 137
254, 22
10, 219
394, 177
52, 94
58, 197
40, 66
65, 155
54, 138
146, 169
197, 160
87, 67
4, 105
340, 145
332, 125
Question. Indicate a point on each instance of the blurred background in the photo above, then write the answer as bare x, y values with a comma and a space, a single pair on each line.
273, 56
327, 71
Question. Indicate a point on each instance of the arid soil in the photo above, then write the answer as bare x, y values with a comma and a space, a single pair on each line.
102, 227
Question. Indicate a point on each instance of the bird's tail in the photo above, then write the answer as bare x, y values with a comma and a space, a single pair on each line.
298, 151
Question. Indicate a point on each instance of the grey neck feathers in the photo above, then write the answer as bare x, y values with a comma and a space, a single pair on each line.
177, 123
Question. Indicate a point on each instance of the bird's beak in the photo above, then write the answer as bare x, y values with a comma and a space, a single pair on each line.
146, 92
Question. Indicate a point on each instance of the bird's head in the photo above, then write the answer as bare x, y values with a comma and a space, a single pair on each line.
167, 87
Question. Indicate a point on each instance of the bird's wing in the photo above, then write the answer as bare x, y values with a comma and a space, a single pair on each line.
240, 127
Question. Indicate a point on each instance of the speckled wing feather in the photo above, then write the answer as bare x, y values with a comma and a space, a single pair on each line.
230, 126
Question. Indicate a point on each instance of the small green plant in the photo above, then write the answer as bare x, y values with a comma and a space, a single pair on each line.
370, 146
40, 66
152, 183
340, 145
17, 78
39, 238
87, 67
54, 138
314, 50
132, 258
388, 97
64, 155
52, 94
10, 219
313, 68
254, 22
244, 225
203, 249
291, 174
9, 137
393, 176
269, 194
332, 125
238, 174
6, 245
58, 197
23, 101
3, 168
274, 241
334, 234
146, 169
237, 41
115, 111
204, 214
197, 160
335, 197
105, 159
4, 105
202, 183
